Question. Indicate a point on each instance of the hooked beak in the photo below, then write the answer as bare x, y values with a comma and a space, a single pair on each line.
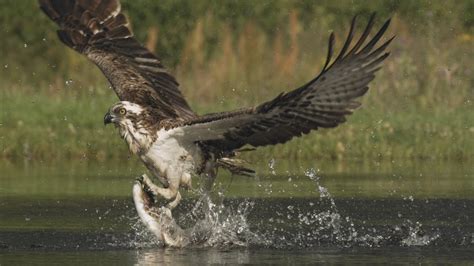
107, 118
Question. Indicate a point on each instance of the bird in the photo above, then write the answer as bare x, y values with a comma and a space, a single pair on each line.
174, 142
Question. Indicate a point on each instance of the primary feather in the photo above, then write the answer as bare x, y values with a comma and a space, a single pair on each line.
324, 102
97, 29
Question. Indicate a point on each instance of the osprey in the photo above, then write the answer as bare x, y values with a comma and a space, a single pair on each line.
172, 140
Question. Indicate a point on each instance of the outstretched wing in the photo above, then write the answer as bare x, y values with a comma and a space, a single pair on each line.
97, 29
321, 103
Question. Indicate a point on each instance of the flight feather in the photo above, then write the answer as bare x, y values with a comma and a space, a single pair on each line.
98, 29
324, 102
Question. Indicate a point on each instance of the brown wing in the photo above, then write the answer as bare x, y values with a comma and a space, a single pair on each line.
322, 103
97, 29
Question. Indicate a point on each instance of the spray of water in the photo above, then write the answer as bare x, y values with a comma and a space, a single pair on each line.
224, 226
213, 223
416, 236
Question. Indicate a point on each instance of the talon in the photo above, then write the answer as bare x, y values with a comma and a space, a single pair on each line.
166, 211
146, 179
171, 205
139, 179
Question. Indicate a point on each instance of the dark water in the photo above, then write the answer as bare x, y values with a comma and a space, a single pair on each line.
291, 214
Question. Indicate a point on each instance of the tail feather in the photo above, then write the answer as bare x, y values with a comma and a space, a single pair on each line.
235, 166
86, 22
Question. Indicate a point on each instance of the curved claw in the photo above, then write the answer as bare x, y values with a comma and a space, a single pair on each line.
139, 179
166, 211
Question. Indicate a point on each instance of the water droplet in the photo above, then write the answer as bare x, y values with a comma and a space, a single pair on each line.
271, 165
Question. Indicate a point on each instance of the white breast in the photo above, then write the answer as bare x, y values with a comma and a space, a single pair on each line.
172, 156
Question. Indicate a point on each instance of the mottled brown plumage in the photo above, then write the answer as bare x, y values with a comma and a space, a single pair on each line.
97, 29
323, 102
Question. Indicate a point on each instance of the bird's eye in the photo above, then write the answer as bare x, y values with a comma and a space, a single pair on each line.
122, 111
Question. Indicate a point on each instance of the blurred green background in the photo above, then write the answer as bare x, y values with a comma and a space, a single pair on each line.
229, 54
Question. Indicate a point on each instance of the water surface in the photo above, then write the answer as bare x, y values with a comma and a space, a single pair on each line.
299, 213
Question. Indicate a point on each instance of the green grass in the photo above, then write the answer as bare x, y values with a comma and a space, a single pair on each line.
45, 128
420, 106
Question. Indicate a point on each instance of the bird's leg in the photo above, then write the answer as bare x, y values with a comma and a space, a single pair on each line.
168, 193
175, 202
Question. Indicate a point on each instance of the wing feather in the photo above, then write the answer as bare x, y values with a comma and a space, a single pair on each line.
324, 102
97, 29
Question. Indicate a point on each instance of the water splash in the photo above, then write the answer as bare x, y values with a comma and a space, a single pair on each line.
225, 226
210, 224
311, 223
141, 237
416, 236
271, 165
315, 226
321, 223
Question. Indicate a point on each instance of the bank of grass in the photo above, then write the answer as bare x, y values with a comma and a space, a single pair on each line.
420, 106
44, 128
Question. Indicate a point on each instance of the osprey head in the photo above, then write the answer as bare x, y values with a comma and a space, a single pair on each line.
122, 113
134, 124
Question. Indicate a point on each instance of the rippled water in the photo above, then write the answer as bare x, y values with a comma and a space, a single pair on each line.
419, 212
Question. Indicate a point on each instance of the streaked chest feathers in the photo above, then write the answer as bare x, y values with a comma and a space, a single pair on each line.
164, 152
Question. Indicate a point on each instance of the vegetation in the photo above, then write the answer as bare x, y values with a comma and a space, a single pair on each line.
241, 53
